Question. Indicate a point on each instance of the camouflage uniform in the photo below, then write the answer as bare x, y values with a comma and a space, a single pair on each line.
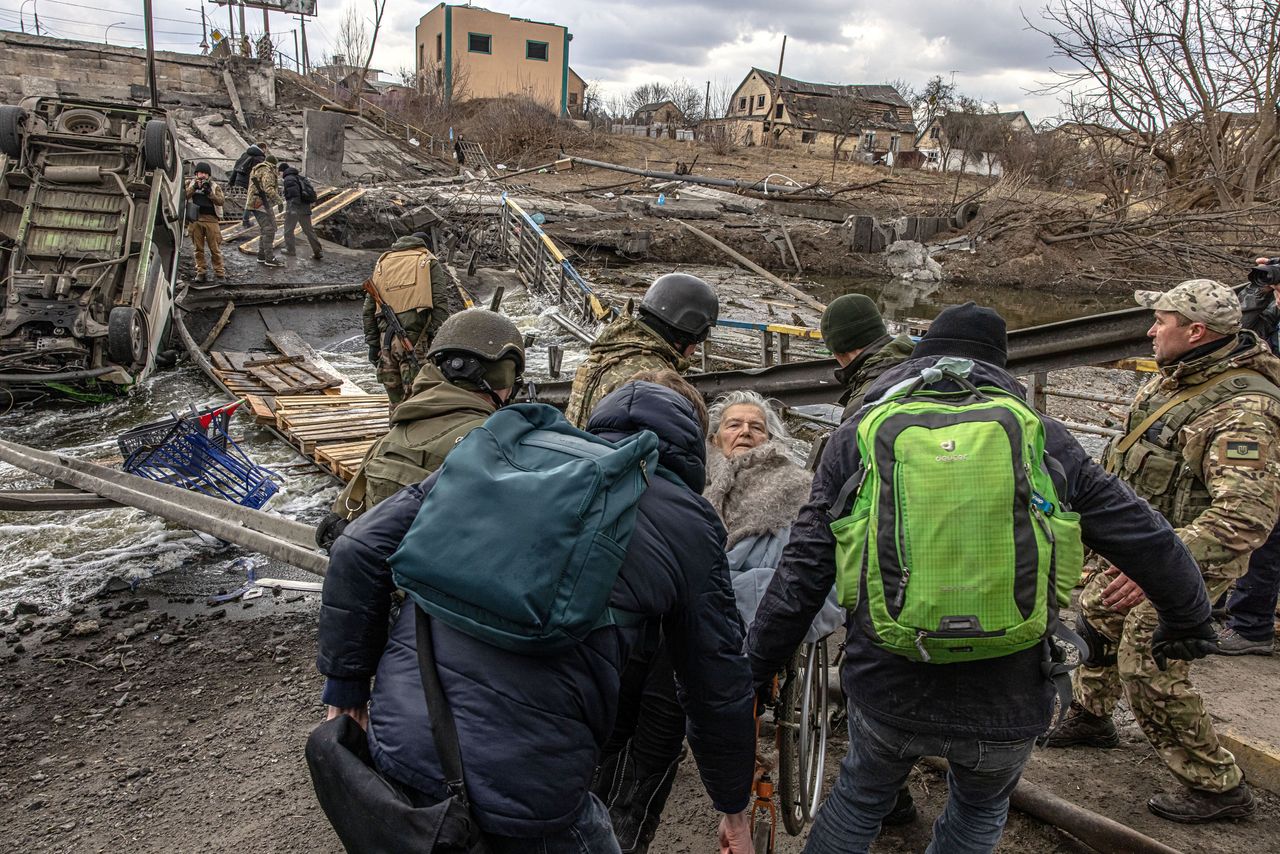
878, 357
625, 347
1211, 466
424, 428
395, 370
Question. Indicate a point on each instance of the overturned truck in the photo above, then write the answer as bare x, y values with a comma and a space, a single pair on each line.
91, 208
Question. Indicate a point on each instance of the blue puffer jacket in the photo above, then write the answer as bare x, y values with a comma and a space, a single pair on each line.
531, 728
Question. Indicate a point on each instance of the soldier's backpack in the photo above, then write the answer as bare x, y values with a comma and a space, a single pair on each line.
520, 539
956, 547
306, 191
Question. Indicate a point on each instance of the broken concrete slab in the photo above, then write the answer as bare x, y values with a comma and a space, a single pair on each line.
323, 146
489, 202
624, 241
671, 208
908, 259
731, 202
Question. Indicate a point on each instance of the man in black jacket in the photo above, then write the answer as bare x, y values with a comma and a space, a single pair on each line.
531, 728
982, 716
253, 155
297, 210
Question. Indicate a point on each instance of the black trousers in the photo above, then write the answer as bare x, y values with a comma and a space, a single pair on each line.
299, 214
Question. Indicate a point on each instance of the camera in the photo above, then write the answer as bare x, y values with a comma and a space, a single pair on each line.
1266, 275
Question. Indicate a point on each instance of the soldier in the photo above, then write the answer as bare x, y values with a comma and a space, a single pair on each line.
263, 199
207, 197
854, 332
1201, 447
676, 315
476, 365
412, 283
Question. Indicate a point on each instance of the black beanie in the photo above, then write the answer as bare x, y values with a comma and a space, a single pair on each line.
204, 167
971, 331
850, 323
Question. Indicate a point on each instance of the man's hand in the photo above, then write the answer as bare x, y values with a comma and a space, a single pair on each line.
1183, 644
1122, 593
735, 833
359, 714
375, 353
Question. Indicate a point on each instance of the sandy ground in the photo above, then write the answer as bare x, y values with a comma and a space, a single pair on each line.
158, 725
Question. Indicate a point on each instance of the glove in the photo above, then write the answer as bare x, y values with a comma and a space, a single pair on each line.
1183, 644
374, 354
329, 529
766, 695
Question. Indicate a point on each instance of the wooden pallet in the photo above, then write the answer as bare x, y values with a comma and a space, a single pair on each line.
343, 458
234, 228
256, 374
309, 421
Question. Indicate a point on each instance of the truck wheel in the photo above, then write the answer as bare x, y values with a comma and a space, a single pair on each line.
157, 145
126, 336
965, 214
13, 120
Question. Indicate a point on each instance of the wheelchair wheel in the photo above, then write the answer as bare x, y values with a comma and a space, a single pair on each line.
802, 736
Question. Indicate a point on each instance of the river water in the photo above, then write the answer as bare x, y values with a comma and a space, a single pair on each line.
56, 558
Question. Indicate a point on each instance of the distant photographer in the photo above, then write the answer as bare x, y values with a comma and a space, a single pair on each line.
1260, 301
204, 200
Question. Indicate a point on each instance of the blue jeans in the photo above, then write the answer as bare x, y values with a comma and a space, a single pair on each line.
590, 834
1252, 604
982, 776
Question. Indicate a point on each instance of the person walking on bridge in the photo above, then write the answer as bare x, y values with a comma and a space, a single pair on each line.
675, 316
410, 281
1201, 445
264, 197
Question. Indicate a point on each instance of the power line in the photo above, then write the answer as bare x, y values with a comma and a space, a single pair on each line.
116, 12
72, 22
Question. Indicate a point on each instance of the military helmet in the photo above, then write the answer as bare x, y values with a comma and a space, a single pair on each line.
685, 303
485, 334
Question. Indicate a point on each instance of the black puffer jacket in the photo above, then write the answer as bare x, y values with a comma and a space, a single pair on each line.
531, 728
1002, 698
253, 155
291, 185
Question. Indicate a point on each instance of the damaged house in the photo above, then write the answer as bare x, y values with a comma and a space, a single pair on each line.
970, 141
843, 120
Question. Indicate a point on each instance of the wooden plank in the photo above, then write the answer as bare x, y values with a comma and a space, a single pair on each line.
319, 213
218, 327
275, 382
272, 360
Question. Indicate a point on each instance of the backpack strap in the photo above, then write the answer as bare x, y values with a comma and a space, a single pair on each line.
850, 488
1181, 397
443, 729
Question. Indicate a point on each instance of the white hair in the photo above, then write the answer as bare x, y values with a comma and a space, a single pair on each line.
772, 421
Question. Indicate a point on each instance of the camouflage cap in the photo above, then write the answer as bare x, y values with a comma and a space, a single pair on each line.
1204, 300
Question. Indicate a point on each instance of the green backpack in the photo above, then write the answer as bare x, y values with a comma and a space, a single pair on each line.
956, 547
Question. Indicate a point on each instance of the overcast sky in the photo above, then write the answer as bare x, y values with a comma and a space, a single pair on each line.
985, 44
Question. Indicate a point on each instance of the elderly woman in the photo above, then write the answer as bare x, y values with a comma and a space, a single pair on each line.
757, 490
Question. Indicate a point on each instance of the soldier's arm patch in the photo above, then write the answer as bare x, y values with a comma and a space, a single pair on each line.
1240, 452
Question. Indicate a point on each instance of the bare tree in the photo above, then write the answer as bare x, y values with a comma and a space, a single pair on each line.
351, 44
379, 6
1192, 83
686, 97
935, 99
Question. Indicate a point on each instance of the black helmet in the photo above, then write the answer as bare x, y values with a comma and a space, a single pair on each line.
485, 334
685, 303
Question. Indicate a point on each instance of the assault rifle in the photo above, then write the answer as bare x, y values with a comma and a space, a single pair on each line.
394, 328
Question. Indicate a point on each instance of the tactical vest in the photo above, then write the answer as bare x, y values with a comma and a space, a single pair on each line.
403, 277
1151, 461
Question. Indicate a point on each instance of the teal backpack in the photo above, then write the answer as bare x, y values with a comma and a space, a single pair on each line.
520, 540
957, 547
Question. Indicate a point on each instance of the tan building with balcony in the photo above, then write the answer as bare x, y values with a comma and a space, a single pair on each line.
471, 52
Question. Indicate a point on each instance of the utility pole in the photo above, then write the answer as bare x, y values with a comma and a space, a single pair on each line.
297, 58
244, 28
204, 31
706, 103
35, 12
151, 55
231, 28
773, 107
306, 60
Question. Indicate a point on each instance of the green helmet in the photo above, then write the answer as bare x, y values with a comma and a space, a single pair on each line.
484, 334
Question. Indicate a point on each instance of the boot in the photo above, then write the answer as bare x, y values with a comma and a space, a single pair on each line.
1195, 806
1231, 642
904, 810
1084, 729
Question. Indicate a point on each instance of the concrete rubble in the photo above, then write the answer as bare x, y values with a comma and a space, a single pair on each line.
907, 259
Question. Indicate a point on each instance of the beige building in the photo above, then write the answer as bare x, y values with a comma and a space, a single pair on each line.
659, 112
576, 99
474, 53
872, 119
